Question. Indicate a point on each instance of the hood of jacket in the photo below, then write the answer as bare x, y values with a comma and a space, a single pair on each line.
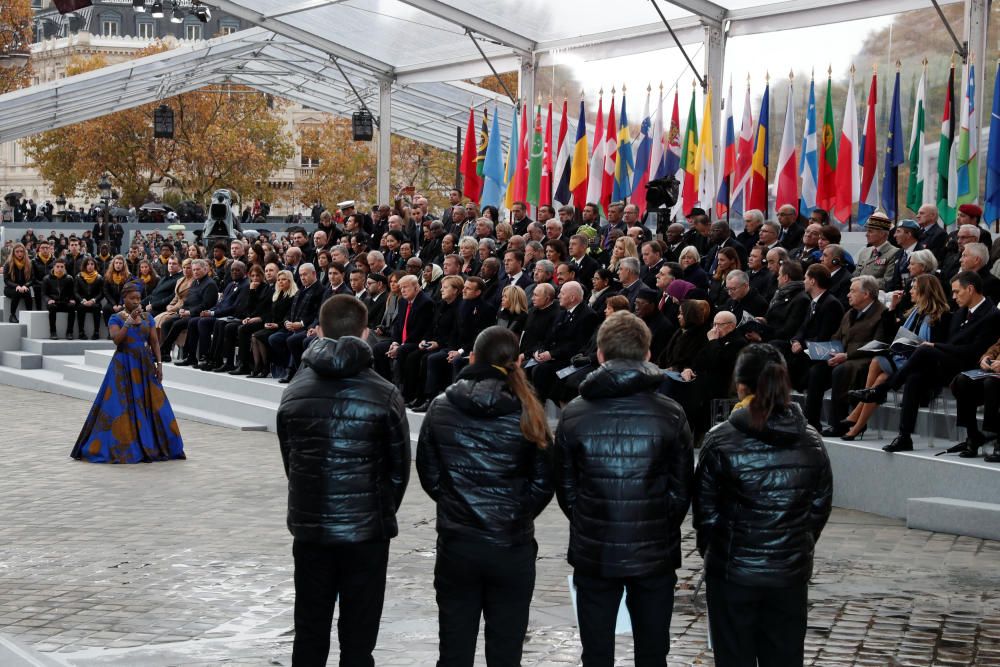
621, 377
340, 358
785, 428
789, 291
482, 391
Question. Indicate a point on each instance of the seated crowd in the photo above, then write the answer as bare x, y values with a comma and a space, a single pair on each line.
432, 284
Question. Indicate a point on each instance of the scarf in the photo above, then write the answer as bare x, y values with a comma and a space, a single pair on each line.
164, 259
19, 265
219, 263
45, 259
146, 279
104, 258
117, 278
90, 277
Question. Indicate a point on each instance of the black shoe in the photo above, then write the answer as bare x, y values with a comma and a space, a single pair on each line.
288, 377
902, 443
414, 402
13, 318
995, 456
835, 431
876, 395
96, 336
185, 362
959, 448
857, 436
223, 368
52, 336
240, 370
422, 407
69, 335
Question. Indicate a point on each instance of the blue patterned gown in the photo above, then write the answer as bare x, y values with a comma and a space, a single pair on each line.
131, 420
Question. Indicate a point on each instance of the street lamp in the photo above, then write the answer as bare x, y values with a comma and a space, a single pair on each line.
104, 185
14, 52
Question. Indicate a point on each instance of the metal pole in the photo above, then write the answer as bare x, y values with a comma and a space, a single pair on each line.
458, 159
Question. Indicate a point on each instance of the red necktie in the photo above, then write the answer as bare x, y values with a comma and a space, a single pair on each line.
663, 302
406, 319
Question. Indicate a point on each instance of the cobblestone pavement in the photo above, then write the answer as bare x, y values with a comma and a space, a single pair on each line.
189, 563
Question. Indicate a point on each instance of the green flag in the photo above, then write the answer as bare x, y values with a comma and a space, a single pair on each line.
535, 166
826, 190
915, 189
948, 119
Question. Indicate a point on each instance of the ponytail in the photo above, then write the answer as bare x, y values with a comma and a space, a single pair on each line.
772, 394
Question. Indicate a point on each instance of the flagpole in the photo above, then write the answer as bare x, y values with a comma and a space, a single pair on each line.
767, 167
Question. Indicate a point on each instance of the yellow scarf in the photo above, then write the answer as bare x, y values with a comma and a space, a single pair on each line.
146, 279
19, 265
45, 258
164, 259
744, 403
219, 263
89, 277
117, 278
104, 258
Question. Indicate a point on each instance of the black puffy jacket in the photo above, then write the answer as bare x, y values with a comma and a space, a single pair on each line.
761, 499
624, 473
488, 481
345, 445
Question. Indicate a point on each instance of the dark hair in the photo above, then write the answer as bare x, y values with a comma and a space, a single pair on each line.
220, 245
477, 281
607, 275
694, 314
343, 315
761, 368
823, 214
518, 255
966, 278
831, 233
341, 268
498, 347
559, 247
792, 269
820, 274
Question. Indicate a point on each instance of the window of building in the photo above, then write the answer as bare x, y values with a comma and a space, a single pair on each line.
309, 162
146, 29
36, 4
192, 31
111, 24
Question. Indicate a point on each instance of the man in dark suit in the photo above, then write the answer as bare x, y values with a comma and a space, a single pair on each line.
933, 365
864, 322
825, 314
762, 280
721, 237
969, 395
378, 295
840, 278
652, 261
752, 222
303, 314
232, 304
742, 297
519, 211
573, 328
541, 319
414, 318
628, 276
161, 295
697, 235
514, 273
932, 235
586, 266
201, 296
907, 236
792, 229
674, 242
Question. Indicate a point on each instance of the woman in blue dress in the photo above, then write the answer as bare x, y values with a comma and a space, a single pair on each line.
131, 420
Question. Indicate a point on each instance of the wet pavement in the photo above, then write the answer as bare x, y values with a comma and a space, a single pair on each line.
189, 563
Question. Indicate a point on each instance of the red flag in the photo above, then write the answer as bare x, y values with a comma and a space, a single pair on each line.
610, 156
523, 160
471, 184
545, 189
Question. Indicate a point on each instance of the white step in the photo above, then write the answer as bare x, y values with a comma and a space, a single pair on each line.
20, 359
63, 347
953, 516
10, 335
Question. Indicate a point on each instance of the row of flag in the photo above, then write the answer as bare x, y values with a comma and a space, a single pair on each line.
835, 172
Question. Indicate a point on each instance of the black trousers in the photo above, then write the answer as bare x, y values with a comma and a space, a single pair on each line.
969, 395
172, 330
755, 626
95, 314
243, 336
16, 297
70, 311
839, 379
543, 377
921, 378
324, 573
474, 579
650, 602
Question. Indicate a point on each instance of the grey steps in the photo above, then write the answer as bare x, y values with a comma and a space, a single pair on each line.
48, 347
11, 335
20, 359
953, 516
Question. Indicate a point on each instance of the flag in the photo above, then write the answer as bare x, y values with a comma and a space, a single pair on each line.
809, 169
493, 172
848, 176
915, 188
758, 179
535, 163
672, 144
610, 157
561, 173
705, 160
658, 147
868, 157
579, 172
786, 187
484, 140
946, 212
727, 161
689, 153
624, 161
471, 187
894, 156
993, 157
744, 158
826, 168
524, 158
643, 157
596, 176
545, 187
510, 172
968, 144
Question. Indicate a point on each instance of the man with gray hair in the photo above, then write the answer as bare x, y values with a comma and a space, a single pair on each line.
866, 320
573, 328
975, 258
541, 275
769, 234
541, 319
202, 295
744, 301
376, 262
752, 221
628, 276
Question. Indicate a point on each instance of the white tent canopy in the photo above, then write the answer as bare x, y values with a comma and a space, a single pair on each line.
408, 58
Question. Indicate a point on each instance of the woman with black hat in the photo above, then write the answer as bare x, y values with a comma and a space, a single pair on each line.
763, 492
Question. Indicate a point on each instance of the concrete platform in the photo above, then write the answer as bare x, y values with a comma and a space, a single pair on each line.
957, 517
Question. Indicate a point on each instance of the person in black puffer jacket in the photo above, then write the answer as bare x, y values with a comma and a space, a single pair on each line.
481, 456
763, 492
624, 469
346, 448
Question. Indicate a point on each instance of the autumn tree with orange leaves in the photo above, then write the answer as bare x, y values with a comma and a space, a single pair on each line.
15, 36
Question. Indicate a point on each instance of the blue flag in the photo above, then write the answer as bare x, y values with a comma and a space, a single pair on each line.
993, 157
809, 169
493, 176
894, 156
